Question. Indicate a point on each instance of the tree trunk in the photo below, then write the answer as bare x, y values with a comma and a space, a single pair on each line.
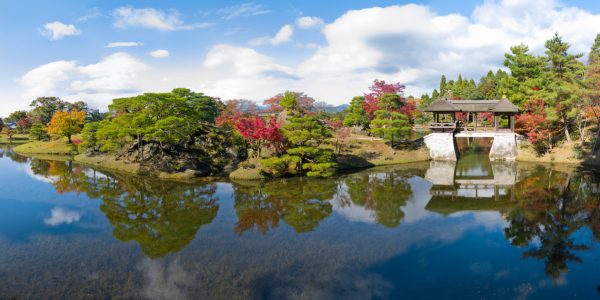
69, 137
569, 142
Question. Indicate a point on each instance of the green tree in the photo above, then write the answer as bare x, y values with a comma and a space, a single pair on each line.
206, 108
88, 135
45, 107
389, 124
37, 132
356, 115
443, 85
525, 70
562, 88
288, 100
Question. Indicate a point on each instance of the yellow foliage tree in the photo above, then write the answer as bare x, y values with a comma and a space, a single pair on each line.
66, 123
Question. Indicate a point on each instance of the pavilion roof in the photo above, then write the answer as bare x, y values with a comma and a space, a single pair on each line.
502, 105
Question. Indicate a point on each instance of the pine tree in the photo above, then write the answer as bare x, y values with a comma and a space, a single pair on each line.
525, 71
443, 85
356, 115
561, 77
389, 124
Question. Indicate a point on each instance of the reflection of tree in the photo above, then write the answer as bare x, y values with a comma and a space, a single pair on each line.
64, 175
384, 193
6, 150
163, 217
301, 205
549, 210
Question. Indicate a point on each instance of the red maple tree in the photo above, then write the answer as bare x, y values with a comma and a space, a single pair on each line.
534, 124
258, 134
234, 110
371, 103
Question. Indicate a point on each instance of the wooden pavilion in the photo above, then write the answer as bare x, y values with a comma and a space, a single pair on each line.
447, 109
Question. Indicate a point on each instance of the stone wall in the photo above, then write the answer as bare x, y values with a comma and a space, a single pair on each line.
504, 146
442, 146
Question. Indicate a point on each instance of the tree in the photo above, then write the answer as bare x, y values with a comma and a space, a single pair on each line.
379, 88
535, 124
37, 132
390, 124
561, 77
24, 124
303, 101
234, 110
525, 70
356, 113
322, 107
258, 134
95, 115
45, 107
305, 135
65, 123
88, 135
14, 117
443, 88
206, 107
288, 100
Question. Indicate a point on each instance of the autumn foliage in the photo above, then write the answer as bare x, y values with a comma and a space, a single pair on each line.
303, 101
259, 134
235, 110
379, 88
533, 122
65, 123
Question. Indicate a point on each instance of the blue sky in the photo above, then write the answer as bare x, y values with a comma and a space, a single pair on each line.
331, 50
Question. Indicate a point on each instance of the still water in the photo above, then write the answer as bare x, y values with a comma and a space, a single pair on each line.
471, 229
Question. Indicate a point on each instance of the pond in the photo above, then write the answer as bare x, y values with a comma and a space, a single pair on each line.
471, 229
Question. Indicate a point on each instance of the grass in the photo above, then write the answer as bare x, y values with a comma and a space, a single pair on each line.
16, 139
59, 146
562, 153
357, 154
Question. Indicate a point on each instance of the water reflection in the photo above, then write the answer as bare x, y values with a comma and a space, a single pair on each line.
546, 213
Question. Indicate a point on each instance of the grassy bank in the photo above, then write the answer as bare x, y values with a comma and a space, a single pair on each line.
16, 139
60, 146
577, 153
360, 153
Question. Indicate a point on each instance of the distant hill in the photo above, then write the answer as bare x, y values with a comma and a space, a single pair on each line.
341, 107
337, 108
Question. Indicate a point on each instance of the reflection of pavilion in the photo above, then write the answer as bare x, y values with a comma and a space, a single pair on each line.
487, 187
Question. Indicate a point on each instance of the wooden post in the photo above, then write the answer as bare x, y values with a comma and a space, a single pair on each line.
512, 123
495, 122
475, 121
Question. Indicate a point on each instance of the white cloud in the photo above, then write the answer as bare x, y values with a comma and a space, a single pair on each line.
244, 10
151, 18
159, 53
283, 36
309, 22
127, 44
58, 30
60, 215
245, 62
116, 75
95, 13
307, 46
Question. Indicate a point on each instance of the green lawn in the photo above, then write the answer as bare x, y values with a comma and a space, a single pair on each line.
59, 146
16, 139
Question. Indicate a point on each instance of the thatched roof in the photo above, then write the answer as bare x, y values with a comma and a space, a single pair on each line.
500, 106
504, 105
442, 106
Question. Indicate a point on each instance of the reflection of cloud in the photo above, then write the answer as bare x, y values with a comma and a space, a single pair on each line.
502, 274
165, 281
349, 285
481, 268
524, 291
561, 281
29, 172
61, 215
492, 221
